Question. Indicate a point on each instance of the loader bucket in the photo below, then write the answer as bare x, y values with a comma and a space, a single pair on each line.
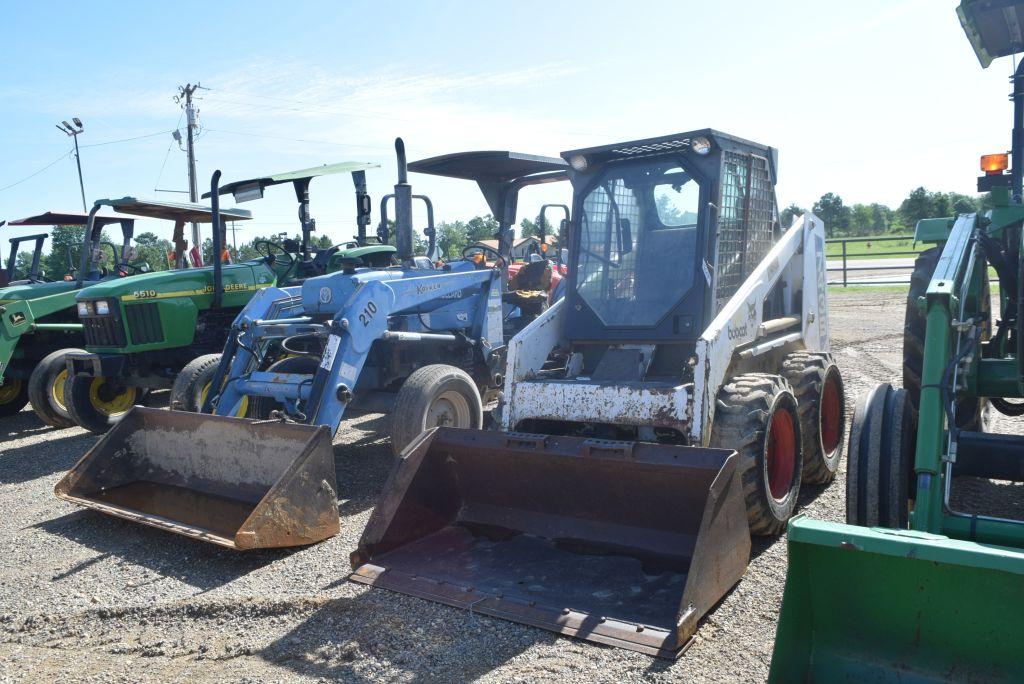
881, 605
622, 543
239, 483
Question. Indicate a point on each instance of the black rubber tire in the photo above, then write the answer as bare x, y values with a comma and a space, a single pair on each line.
420, 391
187, 391
81, 409
880, 459
808, 373
744, 411
970, 411
260, 407
18, 399
41, 389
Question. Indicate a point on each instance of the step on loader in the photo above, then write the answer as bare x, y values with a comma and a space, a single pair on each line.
422, 340
652, 420
925, 581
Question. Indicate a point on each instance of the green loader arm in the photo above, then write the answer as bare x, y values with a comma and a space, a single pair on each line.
18, 318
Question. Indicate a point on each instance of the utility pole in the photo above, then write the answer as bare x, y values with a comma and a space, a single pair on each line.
234, 238
185, 94
73, 131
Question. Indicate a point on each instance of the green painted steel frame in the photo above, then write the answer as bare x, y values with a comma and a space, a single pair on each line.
880, 605
959, 264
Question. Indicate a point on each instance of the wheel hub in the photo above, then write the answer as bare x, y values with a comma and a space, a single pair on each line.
450, 409
831, 416
780, 454
9, 391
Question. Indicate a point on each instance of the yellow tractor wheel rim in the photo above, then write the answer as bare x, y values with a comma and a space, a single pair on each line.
9, 391
118, 404
243, 408
57, 390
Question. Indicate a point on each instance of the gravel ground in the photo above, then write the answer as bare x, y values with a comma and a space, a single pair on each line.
84, 596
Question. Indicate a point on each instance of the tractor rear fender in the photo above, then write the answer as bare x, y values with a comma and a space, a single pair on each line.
740, 322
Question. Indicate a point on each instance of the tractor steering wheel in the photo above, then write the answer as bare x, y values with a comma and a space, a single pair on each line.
483, 248
135, 268
600, 258
272, 251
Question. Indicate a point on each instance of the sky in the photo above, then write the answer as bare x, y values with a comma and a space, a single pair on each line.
867, 99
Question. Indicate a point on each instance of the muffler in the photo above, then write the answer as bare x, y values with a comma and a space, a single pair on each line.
622, 543
240, 483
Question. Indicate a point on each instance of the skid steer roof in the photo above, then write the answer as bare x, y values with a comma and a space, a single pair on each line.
172, 211
679, 142
993, 27
262, 182
499, 166
67, 218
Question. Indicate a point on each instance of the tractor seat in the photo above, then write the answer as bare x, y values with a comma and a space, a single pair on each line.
535, 275
322, 259
4, 279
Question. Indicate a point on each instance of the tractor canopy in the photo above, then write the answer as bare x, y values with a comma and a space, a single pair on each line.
365, 250
33, 275
500, 175
666, 230
992, 27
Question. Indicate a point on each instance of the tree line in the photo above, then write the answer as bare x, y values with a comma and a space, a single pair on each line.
841, 220
860, 220
65, 244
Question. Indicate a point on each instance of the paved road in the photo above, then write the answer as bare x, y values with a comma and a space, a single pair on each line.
871, 271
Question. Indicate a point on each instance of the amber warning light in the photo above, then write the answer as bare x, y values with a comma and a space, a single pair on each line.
995, 163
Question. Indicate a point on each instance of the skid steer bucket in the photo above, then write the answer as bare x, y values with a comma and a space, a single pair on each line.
621, 543
239, 483
879, 605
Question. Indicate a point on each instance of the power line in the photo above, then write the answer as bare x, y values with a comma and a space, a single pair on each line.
168, 153
63, 156
123, 140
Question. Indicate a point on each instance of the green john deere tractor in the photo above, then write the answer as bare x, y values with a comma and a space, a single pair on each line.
925, 581
140, 334
37, 309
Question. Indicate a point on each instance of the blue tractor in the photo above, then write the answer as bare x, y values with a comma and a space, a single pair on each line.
423, 340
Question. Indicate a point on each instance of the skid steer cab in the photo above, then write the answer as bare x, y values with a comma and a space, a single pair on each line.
668, 407
37, 309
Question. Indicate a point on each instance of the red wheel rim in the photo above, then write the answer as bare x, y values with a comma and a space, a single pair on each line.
780, 453
831, 415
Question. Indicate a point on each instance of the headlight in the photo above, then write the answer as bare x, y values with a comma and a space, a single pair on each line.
102, 307
578, 162
83, 308
701, 145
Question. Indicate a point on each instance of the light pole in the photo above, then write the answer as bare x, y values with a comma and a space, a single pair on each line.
73, 131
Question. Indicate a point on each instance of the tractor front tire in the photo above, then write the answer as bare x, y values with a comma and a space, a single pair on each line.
13, 396
756, 415
437, 395
818, 388
193, 383
880, 459
96, 403
46, 389
970, 411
